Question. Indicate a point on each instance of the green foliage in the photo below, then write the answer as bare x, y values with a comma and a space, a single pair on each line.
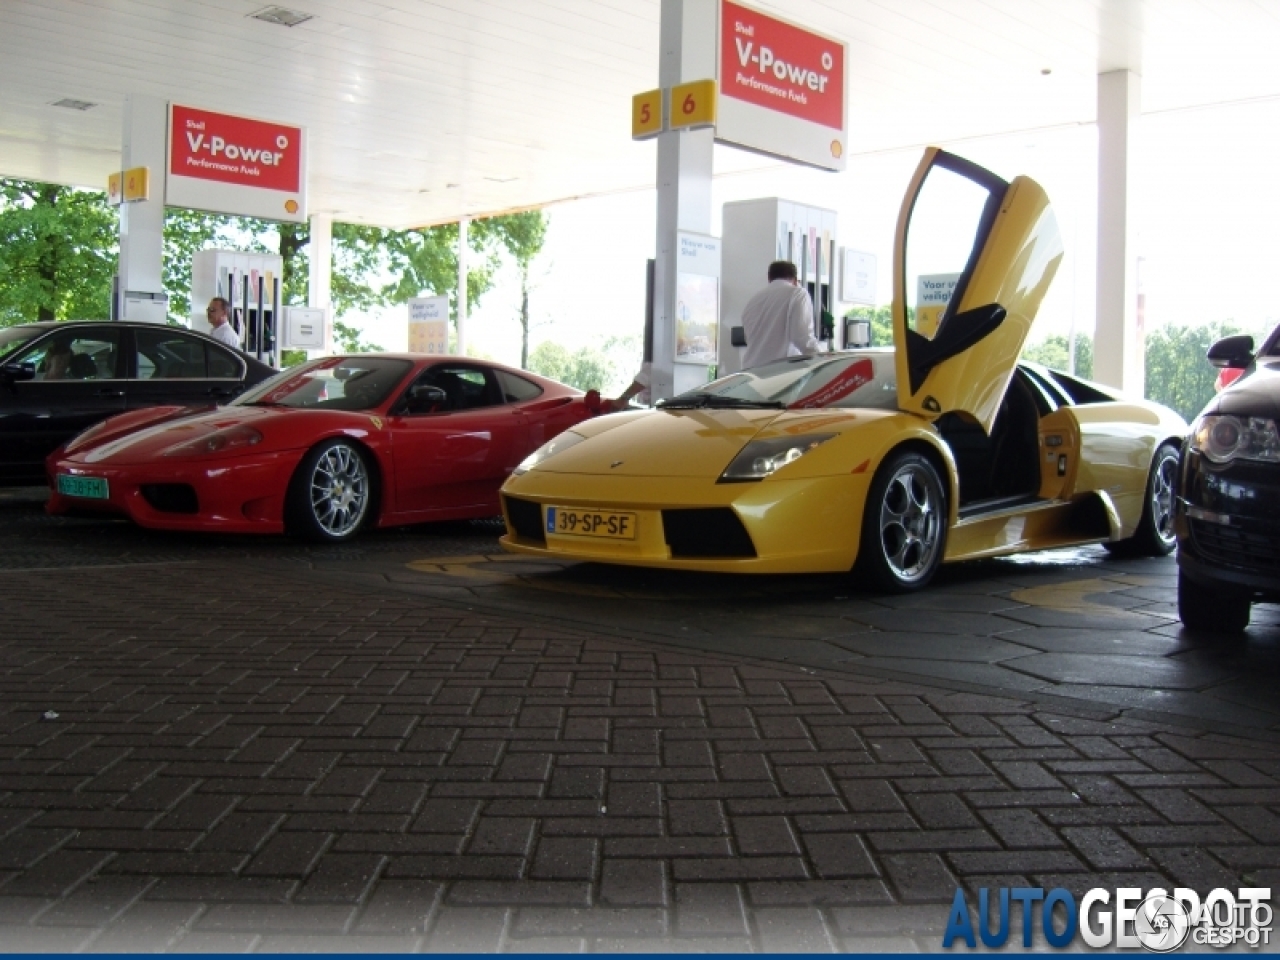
587, 369
346, 339
1052, 352
522, 235
58, 253
1177, 373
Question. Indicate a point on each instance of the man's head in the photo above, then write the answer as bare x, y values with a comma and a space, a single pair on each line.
217, 312
782, 270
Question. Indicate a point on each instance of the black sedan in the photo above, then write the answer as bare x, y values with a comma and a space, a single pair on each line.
1228, 505
56, 379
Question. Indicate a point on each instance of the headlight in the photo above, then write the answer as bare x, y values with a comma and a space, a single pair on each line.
219, 441
549, 449
762, 458
1223, 439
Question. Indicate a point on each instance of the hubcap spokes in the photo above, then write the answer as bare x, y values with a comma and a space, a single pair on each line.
1162, 485
909, 524
339, 491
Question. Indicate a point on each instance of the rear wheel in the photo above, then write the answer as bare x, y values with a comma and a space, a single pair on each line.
904, 524
331, 493
1154, 536
1208, 609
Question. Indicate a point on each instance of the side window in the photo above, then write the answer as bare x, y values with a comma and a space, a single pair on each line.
517, 389
222, 365
165, 355
75, 355
465, 388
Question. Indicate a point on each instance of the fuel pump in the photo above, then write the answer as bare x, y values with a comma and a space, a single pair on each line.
251, 284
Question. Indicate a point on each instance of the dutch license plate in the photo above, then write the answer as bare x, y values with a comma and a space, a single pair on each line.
92, 488
591, 523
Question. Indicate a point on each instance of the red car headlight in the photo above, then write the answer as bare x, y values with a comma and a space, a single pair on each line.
220, 441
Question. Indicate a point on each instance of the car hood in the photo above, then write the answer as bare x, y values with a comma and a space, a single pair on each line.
281, 429
683, 443
1255, 395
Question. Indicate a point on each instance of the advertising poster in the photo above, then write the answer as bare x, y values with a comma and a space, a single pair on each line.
782, 89
237, 165
933, 293
429, 325
697, 298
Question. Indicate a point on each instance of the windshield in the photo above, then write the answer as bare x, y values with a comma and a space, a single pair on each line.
332, 383
14, 337
863, 379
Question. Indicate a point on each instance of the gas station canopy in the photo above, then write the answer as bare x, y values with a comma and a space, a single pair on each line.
422, 112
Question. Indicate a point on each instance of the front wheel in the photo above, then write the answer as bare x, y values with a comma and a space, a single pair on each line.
904, 524
331, 493
1154, 536
1205, 609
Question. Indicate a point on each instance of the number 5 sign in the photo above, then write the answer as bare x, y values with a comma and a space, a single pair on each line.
646, 115
693, 105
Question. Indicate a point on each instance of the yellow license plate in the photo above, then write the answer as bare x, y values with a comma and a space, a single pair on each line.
93, 488
563, 521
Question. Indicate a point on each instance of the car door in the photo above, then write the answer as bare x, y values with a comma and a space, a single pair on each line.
454, 455
76, 381
169, 366
973, 258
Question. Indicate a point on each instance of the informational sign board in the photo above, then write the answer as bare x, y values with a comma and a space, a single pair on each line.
782, 88
858, 278
933, 293
237, 165
429, 325
697, 298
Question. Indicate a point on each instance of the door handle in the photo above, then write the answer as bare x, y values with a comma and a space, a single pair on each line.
109, 392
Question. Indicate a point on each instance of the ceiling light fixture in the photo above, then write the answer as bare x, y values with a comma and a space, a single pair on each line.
501, 179
281, 15
71, 104
1045, 71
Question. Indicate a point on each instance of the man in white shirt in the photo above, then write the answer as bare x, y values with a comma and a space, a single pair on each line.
778, 321
222, 330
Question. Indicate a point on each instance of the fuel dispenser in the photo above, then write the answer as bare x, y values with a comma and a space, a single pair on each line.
250, 282
754, 234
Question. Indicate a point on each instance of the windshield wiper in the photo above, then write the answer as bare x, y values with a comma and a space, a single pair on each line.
704, 401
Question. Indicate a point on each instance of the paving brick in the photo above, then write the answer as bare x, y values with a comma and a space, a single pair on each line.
288, 855
633, 883
710, 909
696, 818
838, 855
920, 877
1020, 828
502, 835
757, 836
565, 858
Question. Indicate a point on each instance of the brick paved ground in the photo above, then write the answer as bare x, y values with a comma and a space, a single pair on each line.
191, 764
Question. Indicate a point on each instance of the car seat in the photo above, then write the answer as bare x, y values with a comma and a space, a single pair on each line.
82, 367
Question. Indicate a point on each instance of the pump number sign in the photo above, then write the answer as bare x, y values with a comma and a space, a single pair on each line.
237, 165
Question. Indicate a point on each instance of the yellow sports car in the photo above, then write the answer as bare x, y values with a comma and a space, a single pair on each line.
943, 448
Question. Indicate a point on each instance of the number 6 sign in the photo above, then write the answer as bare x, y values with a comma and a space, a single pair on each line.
693, 105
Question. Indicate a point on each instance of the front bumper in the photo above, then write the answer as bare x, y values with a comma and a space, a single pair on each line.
236, 495
806, 525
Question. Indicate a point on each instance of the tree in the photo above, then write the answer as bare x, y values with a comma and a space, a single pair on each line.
586, 369
881, 320
522, 235
1177, 373
57, 252
347, 340
1052, 352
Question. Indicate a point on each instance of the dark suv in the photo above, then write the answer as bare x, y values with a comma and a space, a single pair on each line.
1228, 505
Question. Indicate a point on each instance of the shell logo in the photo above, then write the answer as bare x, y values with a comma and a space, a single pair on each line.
837, 148
291, 206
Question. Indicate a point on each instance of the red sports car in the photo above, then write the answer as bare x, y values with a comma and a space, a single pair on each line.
322, 449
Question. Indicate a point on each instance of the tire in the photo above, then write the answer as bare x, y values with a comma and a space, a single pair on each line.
331, 494
1208, 609
904, 525
1155, 536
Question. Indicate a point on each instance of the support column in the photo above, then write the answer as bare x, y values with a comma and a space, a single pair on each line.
1119, 340
320, 261
146, 122
688, 39
461, 347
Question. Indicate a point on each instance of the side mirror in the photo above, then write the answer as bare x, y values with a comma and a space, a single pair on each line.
15, 372
738, 336
423, 398
1234, 351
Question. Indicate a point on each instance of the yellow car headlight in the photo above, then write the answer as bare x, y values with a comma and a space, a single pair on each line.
763, 458
1223, 438
549, 449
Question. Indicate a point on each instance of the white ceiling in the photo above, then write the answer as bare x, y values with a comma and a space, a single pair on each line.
420, 111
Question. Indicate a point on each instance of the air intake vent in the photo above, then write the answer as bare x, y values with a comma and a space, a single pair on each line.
282, 16
171, 497
715, 532
70, 104
526, 518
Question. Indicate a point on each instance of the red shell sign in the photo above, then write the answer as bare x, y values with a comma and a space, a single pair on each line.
781, 67
237, 150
